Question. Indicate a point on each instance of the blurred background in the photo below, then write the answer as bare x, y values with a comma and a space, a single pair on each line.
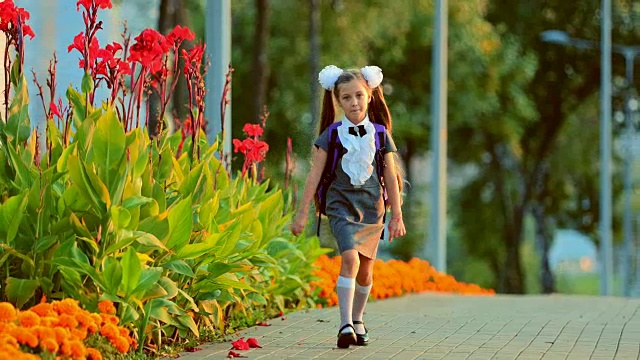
523, 116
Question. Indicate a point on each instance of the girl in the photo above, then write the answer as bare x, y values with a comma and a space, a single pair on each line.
354, 201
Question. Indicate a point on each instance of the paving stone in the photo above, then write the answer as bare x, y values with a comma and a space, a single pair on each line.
441, 326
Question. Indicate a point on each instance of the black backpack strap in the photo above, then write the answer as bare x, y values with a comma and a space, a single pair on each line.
381, 137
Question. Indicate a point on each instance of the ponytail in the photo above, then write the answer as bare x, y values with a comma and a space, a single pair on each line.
378, 110
328, 111
379, 113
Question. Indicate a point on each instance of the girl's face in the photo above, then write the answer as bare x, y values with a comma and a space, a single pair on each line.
353, 99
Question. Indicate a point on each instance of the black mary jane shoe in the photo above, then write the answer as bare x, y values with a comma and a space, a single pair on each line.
348, 338
362, 339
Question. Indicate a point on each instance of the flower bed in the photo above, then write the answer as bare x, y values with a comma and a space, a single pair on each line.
61, 329
391, 278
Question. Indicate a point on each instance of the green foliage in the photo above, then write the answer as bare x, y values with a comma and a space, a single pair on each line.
167, 236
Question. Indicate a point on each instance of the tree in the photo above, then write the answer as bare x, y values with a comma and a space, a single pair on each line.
260, 60
565, 79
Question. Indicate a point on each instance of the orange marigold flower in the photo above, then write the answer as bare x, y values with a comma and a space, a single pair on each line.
68, 321
121, 344
44, 333
62, 334
93, 354
92, 328
49, 345
44, 309
97, 319
79, 334
109, 331
8, 341
66, 306
28, 318
65, 348
7, 312
25, 336
78, 350
123, 331
106, 307
49, 321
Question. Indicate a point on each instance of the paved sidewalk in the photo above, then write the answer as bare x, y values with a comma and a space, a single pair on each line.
437, 326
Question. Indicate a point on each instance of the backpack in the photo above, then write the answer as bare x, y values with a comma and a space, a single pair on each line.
334, 153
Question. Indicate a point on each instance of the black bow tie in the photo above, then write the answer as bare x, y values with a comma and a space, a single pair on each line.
361, 130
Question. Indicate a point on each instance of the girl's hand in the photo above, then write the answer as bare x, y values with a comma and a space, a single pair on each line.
298, 224
396, 228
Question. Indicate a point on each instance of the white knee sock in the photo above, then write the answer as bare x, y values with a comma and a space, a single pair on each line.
345, 289
359, 302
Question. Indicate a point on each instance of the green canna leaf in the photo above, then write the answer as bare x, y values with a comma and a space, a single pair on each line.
61, 164
19, 291
86, 183
120, 217
193, 182
11, 213
180, 267
87, 83
157, 225
109, 142
150, 240
180, 224
18, 126
135, 202
148, 278
78, 104
131, 271
112, 274
24, 176
190, 323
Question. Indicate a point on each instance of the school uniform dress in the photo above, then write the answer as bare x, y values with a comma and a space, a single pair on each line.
354, 203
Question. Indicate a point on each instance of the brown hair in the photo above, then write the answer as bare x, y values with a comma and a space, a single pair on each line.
377, 109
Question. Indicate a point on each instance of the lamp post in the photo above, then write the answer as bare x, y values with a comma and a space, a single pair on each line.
629, 53
218, 36
437, 247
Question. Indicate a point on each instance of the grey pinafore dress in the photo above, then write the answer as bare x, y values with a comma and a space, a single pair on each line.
355, 212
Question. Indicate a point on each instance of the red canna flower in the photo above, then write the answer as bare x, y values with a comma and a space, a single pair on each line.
253, 129
238, 146
240, 344
232, 354
53, 110
99, 4
149, 48
180, 34
253, 343
12, 17
193, 59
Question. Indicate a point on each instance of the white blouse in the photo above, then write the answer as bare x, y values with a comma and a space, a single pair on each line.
357, 162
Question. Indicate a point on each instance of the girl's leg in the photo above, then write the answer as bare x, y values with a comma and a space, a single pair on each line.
364, 281
346, 286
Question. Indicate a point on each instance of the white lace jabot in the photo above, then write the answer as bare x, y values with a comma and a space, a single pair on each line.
356, 163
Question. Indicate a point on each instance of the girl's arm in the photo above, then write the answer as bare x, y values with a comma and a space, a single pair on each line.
310, 186
396, 224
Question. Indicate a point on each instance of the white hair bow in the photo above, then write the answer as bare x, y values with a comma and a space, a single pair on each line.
373, 75
328, 76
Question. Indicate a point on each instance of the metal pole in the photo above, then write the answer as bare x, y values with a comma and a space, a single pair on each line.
314, 60
606, 253
218, 36
629, 55
438, 241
